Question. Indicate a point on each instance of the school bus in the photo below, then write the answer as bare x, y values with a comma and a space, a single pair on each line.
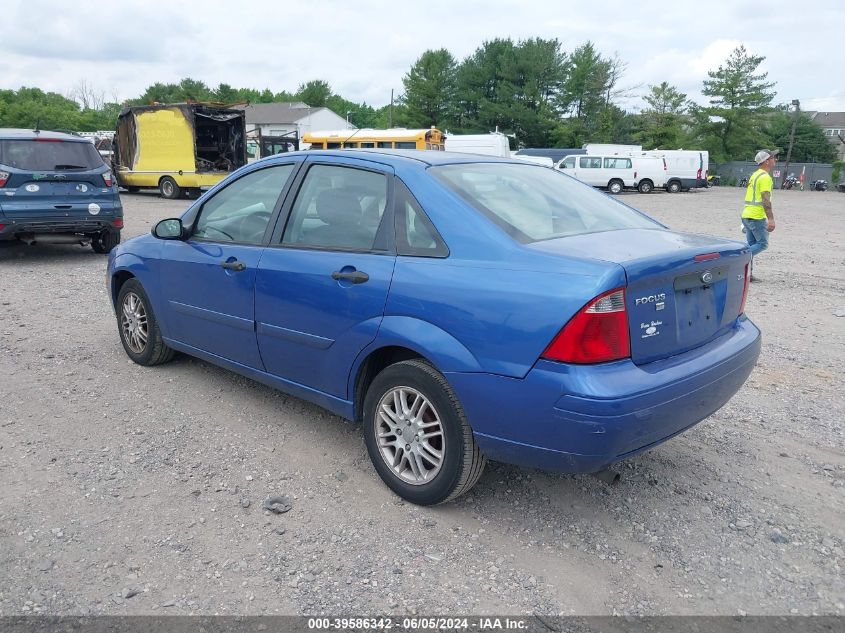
394, 138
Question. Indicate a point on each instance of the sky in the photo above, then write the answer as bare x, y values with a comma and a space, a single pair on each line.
364, 48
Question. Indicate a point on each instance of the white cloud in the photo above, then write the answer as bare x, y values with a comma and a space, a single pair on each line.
363, 49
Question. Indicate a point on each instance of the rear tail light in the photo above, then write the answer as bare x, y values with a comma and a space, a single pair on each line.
597, 334
745, 288
698, 174
4, 176
117, 223
635, 175
2, 226
107, 178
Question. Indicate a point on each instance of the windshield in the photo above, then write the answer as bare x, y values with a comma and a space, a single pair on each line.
534, 203
31, 155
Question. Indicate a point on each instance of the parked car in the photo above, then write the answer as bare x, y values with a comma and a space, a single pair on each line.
616, 172
54, 187
462, 307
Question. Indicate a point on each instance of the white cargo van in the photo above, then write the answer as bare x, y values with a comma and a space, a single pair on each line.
685, 169
616, 172
493, 144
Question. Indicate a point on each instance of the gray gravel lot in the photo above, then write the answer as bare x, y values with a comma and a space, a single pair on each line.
129, 490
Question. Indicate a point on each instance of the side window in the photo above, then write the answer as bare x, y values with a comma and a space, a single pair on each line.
590, 162
338, 208
385, 144
241, 211
406, 145
569, 163
617, 163
415, 234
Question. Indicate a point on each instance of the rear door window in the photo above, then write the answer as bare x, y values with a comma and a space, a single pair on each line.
617, 163
49, 155
590, 162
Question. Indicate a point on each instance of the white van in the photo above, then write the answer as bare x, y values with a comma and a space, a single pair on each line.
493, 144
685, 169
616, 172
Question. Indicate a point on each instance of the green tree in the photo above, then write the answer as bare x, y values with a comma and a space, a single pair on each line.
31, 107
586, 96
662, 122
512, 87
430, 86
810, 144
315, 93
740, 97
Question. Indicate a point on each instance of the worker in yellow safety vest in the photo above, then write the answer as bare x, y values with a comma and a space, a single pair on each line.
757, 217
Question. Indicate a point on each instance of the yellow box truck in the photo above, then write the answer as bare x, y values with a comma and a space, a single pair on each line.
178, 148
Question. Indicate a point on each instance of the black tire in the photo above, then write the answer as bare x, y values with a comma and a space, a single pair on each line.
646, 186
673, 187
168, 188
461, 460
615, 186
104, 242
154, 351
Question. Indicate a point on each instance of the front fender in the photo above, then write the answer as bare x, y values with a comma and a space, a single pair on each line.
140, 268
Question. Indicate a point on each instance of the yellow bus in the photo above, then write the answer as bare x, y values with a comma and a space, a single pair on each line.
394, 138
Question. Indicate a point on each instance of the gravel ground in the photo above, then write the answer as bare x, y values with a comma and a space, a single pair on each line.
129, 490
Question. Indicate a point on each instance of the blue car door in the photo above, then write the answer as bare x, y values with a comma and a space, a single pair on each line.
322, 283
208, 280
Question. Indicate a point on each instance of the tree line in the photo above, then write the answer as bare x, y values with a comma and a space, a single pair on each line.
531, 90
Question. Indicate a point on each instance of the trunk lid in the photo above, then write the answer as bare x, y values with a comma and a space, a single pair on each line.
683, 289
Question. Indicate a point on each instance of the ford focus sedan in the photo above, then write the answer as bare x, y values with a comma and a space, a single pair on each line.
462, 308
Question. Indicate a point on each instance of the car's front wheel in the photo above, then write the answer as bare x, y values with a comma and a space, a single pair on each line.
139, 331
417, 435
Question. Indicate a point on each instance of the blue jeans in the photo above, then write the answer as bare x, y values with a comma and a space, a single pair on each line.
757, 234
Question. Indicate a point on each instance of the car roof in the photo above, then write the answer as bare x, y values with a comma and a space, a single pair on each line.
397, 156
21, 134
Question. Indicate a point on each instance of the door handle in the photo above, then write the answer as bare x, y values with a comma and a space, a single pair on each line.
356, 276
236, 266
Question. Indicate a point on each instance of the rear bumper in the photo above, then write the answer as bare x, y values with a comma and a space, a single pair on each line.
14, 227
575, 419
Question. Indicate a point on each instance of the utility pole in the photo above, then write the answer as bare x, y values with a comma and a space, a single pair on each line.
797, 105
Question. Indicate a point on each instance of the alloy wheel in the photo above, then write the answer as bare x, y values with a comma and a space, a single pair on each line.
133, 323
410, 435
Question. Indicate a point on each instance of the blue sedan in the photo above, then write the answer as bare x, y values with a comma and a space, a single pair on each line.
462, 308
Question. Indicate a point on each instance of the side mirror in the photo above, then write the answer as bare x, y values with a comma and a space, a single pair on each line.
170, 229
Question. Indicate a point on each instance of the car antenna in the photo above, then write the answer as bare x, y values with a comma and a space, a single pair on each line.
350, 136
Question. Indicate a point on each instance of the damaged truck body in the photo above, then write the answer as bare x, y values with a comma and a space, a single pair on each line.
178, 148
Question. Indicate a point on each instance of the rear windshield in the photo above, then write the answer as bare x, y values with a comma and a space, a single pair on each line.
30, 155
533, 203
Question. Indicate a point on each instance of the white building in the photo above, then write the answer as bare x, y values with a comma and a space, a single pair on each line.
279, 119
833, 124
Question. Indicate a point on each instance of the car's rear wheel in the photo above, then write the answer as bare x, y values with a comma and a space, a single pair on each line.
615, 186
169, 189
673, 187
646, 186
139, 331
105, 241
417, 435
